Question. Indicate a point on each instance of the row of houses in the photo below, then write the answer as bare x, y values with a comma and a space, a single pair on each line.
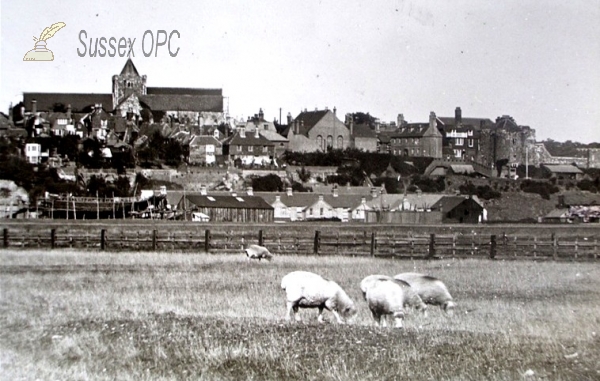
361, 204
197, 118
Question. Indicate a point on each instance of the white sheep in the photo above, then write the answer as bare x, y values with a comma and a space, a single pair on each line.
258, 252
411, 298
386, 297
308, 290
431, 290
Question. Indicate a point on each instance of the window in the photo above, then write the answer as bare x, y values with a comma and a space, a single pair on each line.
321, 211
329, 141
459, 141
250, 148
416, 141
340, 142
320, 142
239, 148
470, 132
470, 142
310, 212
265, 149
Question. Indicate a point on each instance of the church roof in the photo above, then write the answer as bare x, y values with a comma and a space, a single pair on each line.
129, 68
173, 102
78, 102
182, 91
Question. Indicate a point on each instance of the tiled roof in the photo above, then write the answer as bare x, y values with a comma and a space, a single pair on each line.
411, 130
581, 198
363, 131
175, 102
559, 168
305, 121
475, 122
182, 91
418, 201
78, 102
249, 140
447, 203
129, 68
202, 140
238, 202
342, 190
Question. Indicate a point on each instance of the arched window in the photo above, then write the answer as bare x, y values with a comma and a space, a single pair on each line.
320, 142
329, 141
340, 142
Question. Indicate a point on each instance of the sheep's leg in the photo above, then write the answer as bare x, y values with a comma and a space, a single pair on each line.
296, 314
377, 318
320, 317
337, 316
290, 308
398, 319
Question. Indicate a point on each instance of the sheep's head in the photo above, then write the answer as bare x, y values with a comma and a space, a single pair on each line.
349, 311
448, 307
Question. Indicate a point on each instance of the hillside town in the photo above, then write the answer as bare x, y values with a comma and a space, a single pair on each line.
177, 153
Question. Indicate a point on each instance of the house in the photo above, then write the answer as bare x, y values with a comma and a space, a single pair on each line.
204, 149
34, 154
268, 130
417, 140
362, 136
318, 130
461, 209
576, 207
560, 171
228, 208
462, 135
249, 149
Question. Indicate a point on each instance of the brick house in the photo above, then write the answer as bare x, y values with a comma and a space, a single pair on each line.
268, 130
317, 130
417, 139
249, 149
204, 149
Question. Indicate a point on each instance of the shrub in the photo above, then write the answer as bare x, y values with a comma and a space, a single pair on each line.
543, 188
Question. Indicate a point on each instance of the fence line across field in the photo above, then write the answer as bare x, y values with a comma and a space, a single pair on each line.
309, 242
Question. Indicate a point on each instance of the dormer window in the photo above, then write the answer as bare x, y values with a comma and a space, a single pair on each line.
470, 132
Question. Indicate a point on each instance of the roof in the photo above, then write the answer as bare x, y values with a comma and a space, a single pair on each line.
249, 140
581, 198
305, 121
342, 190
129, 68
417, 200
411, 130
182, 91
202, 140
176, 102
272, 136
559, 168
475, 122
363, 131
78, 102
558, 213
447, 203
228, 201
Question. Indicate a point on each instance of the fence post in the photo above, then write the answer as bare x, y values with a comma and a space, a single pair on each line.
576, 247
454, 245
102, 239
595, 248
554, 246
154, 233
260, 238
317, 242
431, 246
52, 238
535, 246
5, 237
206, 240
515, 248
372, 244
493, 247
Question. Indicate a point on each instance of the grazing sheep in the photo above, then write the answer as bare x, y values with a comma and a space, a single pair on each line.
411, 298
386, 297
258, 252
308, 290
431, 290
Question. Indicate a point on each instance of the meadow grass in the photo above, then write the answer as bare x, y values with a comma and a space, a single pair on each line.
68, 315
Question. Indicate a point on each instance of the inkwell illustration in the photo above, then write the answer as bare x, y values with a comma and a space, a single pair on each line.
40, 52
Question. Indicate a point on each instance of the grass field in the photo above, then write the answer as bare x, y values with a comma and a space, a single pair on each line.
67, 315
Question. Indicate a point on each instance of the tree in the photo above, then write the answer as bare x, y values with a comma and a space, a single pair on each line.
268, 183
304, 174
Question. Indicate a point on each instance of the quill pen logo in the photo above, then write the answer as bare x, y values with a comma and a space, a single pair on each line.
40, 52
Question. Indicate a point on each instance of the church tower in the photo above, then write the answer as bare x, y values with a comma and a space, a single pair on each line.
127, 83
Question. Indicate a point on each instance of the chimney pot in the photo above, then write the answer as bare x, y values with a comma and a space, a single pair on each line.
289, 191
33, 106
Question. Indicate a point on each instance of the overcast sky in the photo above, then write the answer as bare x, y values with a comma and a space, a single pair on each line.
538, 61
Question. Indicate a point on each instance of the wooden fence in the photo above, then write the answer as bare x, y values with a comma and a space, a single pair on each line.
354, 242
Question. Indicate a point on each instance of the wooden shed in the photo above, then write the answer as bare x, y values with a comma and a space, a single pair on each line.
228, 208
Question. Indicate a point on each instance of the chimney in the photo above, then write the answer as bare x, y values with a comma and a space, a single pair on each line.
33, 106
351, 126
432, 122
242, 132
277, 198
320, 197
457, 117
374, 192
400, 120
334, 190
10, 112
203, 191
334, 110
261, 115
296, 127
250, 191
256, 132
289, 118
289, 191
69, 113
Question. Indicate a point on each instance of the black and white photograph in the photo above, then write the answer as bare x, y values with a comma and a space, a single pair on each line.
318, 190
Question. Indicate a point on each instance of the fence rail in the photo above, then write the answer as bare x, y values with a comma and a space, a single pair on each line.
385, 243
